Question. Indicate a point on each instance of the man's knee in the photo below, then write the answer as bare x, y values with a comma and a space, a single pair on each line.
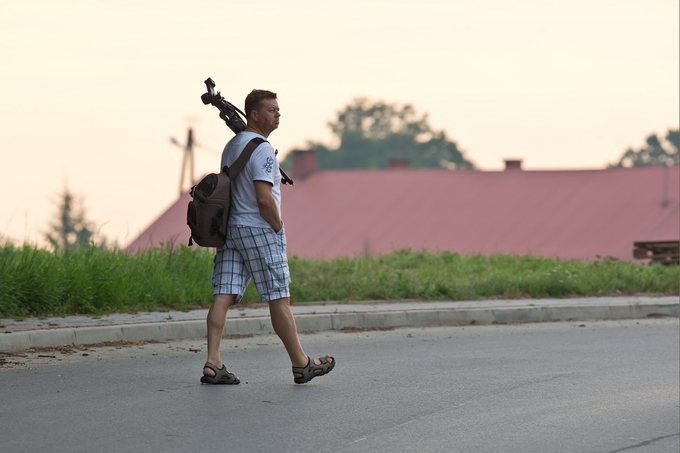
281, 302
224, 300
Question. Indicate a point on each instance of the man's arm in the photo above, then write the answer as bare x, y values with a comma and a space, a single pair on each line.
267, 205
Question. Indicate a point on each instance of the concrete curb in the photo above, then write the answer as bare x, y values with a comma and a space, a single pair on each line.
190, 329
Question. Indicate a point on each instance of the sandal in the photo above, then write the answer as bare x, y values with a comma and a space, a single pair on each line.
312, 370
222, 376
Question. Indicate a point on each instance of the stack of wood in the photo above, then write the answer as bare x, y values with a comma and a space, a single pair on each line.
664, 252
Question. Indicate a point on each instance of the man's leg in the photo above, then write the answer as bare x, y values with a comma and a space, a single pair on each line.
264, 253
217, 317
284, 325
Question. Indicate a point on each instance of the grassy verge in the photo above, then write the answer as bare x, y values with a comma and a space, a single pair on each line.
36, 282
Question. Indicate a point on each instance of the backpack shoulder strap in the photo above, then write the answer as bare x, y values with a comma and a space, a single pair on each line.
240, 162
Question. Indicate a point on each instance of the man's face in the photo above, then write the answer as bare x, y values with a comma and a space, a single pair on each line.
268, 115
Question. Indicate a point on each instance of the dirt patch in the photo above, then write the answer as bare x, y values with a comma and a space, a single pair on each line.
350, 329
229, 336
37, 357
40, 355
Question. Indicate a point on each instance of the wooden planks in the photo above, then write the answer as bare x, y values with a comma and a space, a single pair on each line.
664, 252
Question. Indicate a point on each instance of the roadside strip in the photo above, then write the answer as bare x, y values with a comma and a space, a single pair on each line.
324, 317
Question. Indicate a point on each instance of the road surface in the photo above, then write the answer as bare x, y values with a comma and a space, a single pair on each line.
608, 386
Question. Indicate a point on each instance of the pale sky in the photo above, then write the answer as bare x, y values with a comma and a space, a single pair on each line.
91, 91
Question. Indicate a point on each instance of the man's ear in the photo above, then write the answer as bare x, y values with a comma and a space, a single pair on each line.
252, 115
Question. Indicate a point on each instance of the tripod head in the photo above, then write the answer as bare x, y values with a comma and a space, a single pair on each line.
228, 112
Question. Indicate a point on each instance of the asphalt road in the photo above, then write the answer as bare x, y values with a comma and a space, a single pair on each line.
608, 386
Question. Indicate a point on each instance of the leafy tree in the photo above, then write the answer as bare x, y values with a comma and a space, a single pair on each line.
372, 133
70, 228
655, 153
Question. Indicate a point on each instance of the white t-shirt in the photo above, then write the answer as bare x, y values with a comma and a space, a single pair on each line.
262, 166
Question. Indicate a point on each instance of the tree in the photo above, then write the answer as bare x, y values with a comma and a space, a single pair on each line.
372, 133
655, 153
70, 228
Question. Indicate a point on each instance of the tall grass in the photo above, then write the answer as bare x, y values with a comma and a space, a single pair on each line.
90, 280
450, 276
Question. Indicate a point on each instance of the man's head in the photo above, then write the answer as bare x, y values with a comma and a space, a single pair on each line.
262, 111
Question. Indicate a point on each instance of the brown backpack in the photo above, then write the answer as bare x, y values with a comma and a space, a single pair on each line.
208, 211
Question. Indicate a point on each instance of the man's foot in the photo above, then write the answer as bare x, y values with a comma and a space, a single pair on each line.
314, 368
214, 375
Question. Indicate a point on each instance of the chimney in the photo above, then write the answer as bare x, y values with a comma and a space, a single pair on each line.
513, 164
397, 164
304, 164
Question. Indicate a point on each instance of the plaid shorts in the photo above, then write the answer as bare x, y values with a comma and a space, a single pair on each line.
252, 253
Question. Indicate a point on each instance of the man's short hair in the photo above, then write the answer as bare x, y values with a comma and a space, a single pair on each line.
255, 98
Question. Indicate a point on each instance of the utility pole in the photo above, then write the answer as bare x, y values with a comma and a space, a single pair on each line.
188, 160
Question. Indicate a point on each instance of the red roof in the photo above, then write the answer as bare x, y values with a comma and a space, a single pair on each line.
566, 214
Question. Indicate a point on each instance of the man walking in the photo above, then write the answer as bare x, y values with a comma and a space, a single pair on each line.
256, 247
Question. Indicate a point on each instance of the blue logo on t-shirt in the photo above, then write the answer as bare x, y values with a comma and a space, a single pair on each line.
268, 164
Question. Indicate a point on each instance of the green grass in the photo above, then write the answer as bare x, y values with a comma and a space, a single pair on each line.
36, 282
94, 281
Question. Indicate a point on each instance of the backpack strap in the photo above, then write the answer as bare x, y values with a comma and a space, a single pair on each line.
240, 162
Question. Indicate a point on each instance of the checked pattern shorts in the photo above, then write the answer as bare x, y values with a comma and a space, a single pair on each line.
252, 253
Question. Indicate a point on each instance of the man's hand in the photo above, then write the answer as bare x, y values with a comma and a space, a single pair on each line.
267, 205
